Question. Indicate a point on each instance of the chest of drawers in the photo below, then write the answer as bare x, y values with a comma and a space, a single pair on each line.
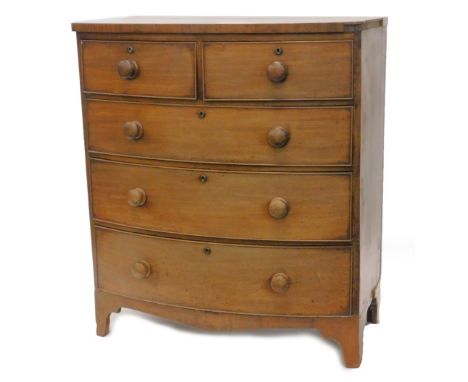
235, 170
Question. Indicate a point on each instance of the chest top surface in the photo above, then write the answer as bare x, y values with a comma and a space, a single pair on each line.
168, 24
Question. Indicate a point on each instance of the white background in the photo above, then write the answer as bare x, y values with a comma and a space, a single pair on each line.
46, 286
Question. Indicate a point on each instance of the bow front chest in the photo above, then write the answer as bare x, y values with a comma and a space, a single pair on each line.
235, 170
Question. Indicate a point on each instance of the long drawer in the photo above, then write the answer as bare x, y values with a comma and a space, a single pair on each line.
239, 135
219, 277
224, 204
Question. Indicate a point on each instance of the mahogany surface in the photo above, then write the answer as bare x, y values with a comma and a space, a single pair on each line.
235, 170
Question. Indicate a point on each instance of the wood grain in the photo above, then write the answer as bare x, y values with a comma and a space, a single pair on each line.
347, 331
316, 70
372, 156
200, 38
229, 278
166, 70
317, 136
228, 204
165, 24
268, 204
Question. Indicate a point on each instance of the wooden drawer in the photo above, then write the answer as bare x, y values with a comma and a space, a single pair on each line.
219, 277
165, 70
237, 135
278, 71
224, 204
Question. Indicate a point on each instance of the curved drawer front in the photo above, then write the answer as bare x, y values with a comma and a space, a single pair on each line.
247, 279
165, 70
258, 206
278, 71
257, 136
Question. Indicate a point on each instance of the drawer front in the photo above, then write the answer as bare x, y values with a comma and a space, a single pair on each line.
165, 70
256, 136
247, 279
259, 206
256, 71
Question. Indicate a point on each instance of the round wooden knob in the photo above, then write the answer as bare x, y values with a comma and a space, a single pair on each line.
133, 130
127, 69
278, 137
279, 282
277, 71
141, 270
136, 197
278, 208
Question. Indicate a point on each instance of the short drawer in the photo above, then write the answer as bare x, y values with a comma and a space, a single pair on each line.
221, 277
233, 135
278, 71
224, 204
149, 69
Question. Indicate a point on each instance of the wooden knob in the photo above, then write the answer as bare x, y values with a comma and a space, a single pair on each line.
136, 197
277, 71
133, 130
279, 282
127, 69
278, 208
141, 270
278, 137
